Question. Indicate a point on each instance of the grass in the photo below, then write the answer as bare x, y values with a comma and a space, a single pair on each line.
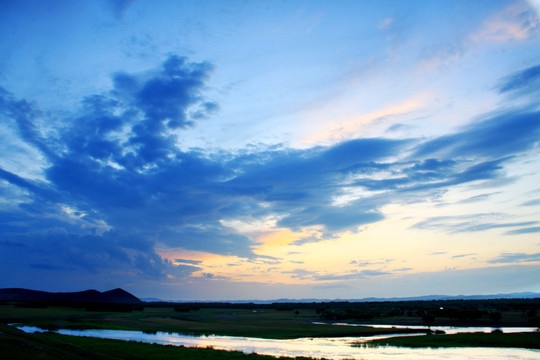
17, 345
516, 340
268, 323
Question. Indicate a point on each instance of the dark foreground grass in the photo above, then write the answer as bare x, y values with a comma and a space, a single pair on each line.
517, 340
17, 345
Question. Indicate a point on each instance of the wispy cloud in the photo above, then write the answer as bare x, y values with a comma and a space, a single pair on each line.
463, 255
531, 202
515, 22
469, 223
477, 198
354, 275
525, 79
363, 263
516, 258
527, 230
191, 262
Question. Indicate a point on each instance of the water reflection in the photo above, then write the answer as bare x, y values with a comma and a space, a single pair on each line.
330, 348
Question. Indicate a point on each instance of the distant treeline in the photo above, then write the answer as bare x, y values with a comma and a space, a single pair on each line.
459, 311
428, 305
427, 311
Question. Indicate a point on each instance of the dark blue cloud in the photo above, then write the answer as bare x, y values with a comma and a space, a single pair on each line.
480, 171
301, 184
205, 110
43, 266
334, 219
499, 135
413, 178
527, 78
85, 253
24, 113
359, 151
191, 262
119, 7
116, 169
207, 237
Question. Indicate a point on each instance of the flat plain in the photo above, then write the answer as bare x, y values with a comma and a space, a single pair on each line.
272, 321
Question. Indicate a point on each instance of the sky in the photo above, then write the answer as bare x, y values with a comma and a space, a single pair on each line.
259, 150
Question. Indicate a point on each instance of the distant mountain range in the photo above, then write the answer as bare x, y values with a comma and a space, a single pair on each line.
88, 296
521, 295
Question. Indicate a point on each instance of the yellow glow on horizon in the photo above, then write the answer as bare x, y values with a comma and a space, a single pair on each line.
278, 238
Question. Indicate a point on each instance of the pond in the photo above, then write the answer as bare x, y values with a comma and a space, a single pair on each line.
330, 348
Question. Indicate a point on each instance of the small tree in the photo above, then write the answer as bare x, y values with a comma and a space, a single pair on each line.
428, 319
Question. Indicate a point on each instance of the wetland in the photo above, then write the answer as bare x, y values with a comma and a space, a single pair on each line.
333, 330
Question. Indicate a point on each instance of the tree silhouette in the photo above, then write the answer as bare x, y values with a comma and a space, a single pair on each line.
428, 319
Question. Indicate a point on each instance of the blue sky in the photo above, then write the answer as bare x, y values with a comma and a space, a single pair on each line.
260, 150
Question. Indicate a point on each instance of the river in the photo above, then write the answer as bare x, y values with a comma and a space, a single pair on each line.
329, 348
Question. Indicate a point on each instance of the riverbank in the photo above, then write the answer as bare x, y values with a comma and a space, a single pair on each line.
17, 345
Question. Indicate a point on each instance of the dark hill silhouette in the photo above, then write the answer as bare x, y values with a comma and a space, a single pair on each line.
88, 296
121, 296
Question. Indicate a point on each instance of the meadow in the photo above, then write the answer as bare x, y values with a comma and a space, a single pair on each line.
260, 322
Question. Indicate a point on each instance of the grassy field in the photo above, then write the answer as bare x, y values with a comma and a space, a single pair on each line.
518, 340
